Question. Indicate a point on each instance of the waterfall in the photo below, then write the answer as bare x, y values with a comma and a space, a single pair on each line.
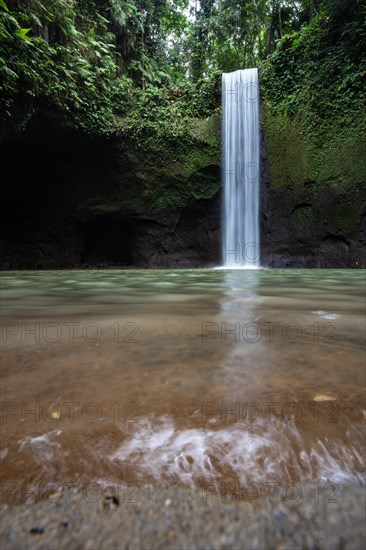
240, 150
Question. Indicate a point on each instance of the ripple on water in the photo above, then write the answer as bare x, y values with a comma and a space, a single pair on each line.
170, 370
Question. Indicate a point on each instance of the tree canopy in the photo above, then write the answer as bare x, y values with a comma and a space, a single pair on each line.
92, 60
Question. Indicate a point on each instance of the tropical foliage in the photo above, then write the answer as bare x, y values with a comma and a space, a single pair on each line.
161, 59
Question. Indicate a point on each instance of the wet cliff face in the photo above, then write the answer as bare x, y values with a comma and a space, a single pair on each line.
319, 231
313, 196
140, 199
70, 200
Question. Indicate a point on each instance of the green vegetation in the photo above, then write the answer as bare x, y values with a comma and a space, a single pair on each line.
159, 63
314, 88
322, 66
56, 57
150, 71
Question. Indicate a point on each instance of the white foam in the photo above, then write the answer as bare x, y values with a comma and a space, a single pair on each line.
3, 453
43, 447
259, 453
240, 267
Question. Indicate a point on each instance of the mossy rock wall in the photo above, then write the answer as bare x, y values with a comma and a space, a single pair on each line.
315, 181
151, 198
140, 197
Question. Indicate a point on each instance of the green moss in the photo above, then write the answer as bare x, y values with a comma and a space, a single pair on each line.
341, 159
178, 194
168, 170
206, 130
343, 217
287, 150
172, 198
328, 154
188, 149
303, 216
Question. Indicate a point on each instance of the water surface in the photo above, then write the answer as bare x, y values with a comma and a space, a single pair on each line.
205, 378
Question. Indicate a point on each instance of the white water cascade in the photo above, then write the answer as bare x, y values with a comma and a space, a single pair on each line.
240, 138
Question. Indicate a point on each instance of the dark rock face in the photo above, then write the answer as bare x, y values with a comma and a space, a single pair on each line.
297, 232
192, 241
71, 201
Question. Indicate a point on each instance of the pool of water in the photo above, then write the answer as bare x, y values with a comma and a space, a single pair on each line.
224, 380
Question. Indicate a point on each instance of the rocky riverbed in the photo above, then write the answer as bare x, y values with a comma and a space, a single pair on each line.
176, 518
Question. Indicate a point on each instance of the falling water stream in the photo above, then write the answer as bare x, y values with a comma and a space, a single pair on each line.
240, 246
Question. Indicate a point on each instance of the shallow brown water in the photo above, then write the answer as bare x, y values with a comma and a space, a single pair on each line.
234, 381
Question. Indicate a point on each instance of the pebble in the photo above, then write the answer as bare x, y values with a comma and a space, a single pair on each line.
323, 398
37, 530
